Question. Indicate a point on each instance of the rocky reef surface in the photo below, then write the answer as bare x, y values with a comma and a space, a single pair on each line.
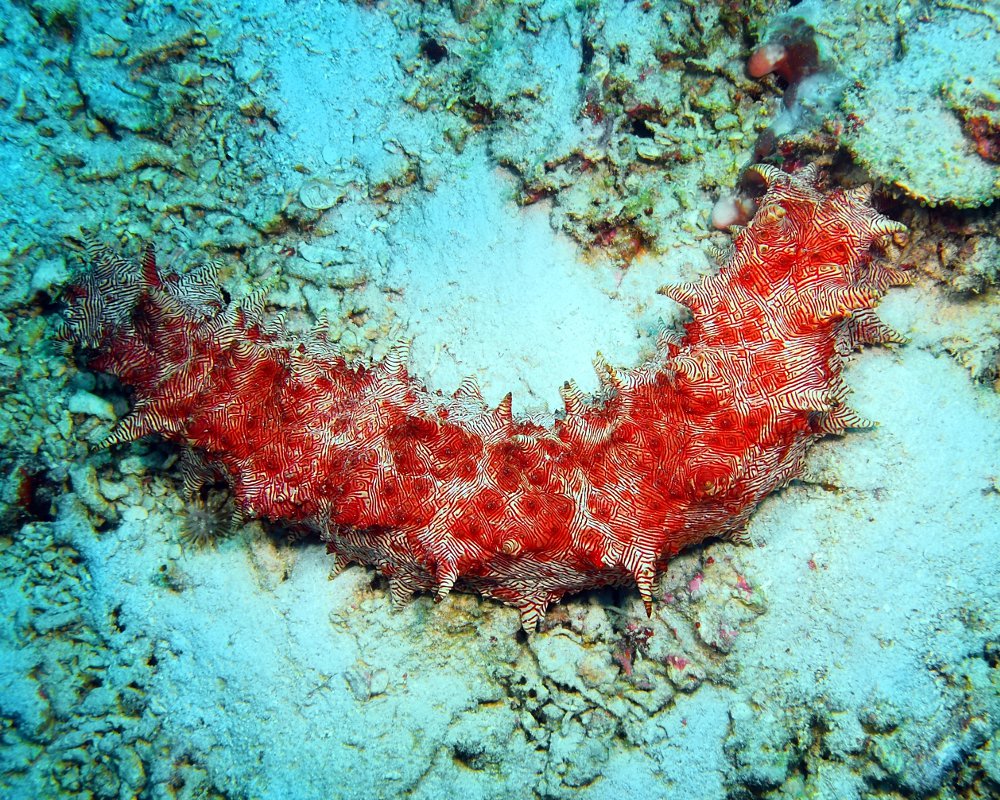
439, 172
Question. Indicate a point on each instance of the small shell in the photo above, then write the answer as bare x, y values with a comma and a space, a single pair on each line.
320, 193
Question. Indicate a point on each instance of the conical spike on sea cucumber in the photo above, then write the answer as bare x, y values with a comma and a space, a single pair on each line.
275, 326
769, 214
92, 245
199, 288
239, 518
469, 388
838, 391
401, 590
808, 174
865, 327
321, 328
882, 276
722, 255
805, 400
741, 536
860, 195
510, 547
606, 374
689, 295
138, 423
505, 410
532, 611
446, 575
340, 562
150, 274
601, 366
667, 337
397, 358
573, 397
771, 175
250, 310
195, 472
881, 226
843, 417
842, 302
645, 576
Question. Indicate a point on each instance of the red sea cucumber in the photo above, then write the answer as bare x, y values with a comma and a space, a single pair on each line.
442, 492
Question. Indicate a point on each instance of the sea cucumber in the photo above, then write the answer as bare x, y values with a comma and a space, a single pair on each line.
440, 492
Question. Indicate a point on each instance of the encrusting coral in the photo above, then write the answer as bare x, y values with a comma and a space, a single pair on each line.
438, 492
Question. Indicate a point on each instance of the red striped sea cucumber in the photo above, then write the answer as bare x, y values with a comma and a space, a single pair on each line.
437, 492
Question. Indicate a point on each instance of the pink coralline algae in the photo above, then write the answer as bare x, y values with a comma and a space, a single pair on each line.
443, 492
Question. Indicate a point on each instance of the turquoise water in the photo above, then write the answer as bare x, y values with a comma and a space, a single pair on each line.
507, 185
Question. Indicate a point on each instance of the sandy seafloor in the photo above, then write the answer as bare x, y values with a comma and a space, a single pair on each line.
474, 177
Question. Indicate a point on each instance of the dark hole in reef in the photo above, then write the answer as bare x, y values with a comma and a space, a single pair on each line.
766, 144
110, 127
586, 53
479, 113
61, 24
433, 50
801, 57
467, 757
46, 301
640, 128
36, 496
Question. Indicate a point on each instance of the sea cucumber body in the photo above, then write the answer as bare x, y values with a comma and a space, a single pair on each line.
437, 492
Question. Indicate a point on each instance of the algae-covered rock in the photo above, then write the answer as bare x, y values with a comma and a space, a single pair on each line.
609, 109
910, 93
909, 131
